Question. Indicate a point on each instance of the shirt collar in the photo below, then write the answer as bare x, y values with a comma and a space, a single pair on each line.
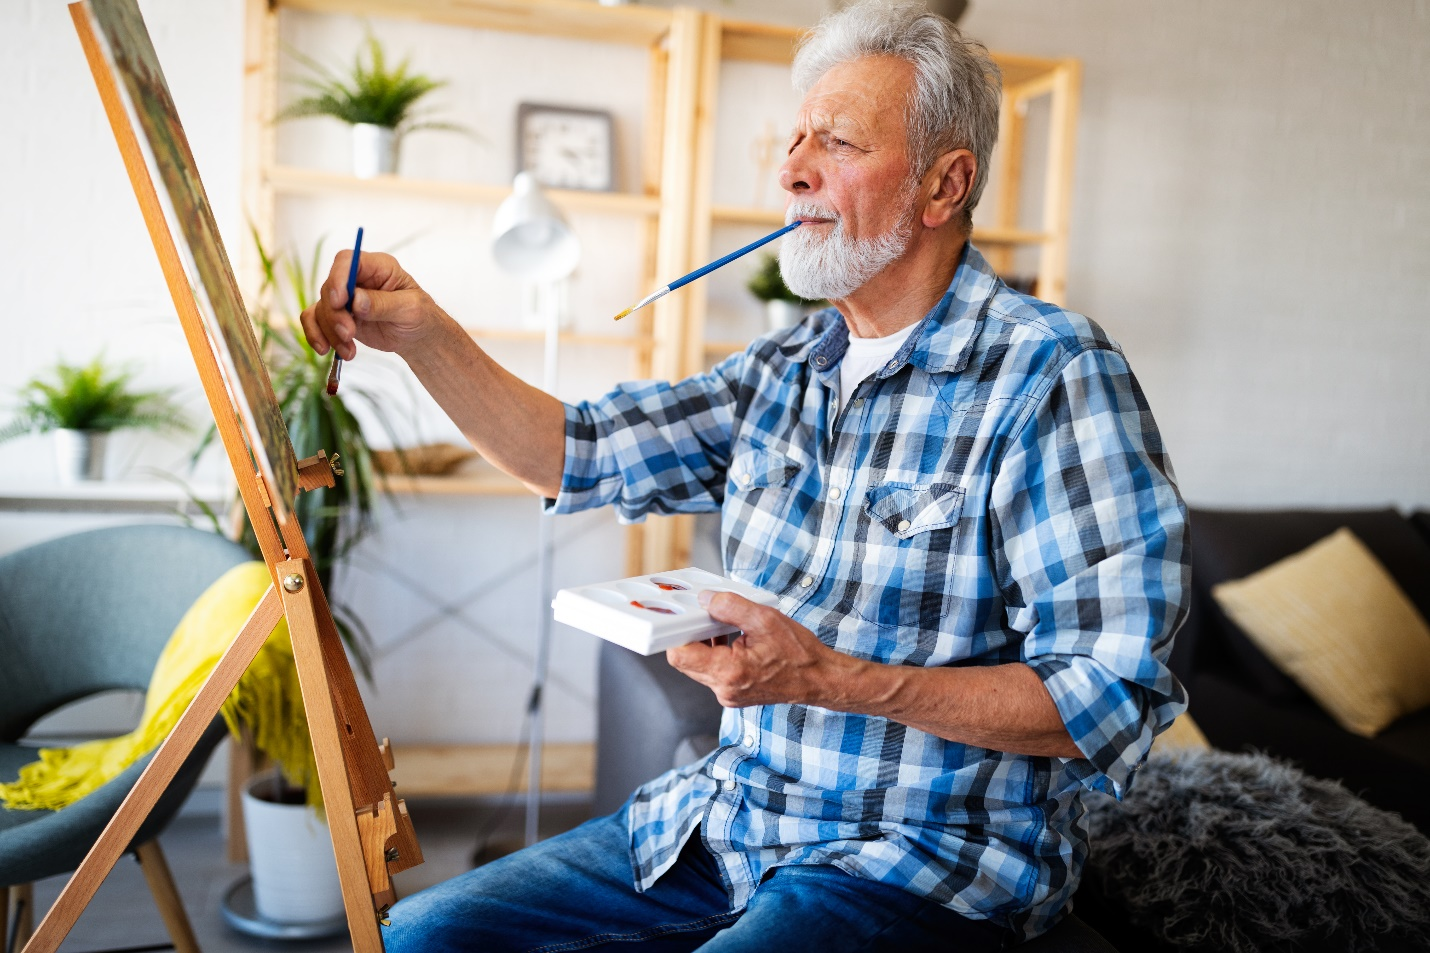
944, 338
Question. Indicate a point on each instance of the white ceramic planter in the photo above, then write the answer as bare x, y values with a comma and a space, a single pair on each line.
290, 856
374, 150
79, 455
783, 314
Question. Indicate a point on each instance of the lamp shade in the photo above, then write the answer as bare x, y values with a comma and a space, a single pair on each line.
530, 237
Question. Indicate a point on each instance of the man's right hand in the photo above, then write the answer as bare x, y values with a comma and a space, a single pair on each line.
390, 311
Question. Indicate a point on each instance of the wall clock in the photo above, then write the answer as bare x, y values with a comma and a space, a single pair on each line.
565, 147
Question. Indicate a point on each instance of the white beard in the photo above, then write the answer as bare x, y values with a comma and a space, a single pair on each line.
835, 266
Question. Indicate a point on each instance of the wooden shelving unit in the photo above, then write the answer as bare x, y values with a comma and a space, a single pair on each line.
686, 50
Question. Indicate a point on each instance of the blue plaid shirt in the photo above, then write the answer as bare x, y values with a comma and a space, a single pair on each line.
997, 493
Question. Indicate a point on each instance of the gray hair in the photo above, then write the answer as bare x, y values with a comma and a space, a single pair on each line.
957, 86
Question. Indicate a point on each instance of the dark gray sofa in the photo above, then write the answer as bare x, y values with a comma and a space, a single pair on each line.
1243, 702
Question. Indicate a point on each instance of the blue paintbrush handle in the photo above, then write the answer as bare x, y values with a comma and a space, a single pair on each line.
353, 269
722, 262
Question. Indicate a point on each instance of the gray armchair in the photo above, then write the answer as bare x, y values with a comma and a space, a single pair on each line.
651, 718
81, 615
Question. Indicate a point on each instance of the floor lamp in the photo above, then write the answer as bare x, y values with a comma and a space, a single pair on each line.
531, 241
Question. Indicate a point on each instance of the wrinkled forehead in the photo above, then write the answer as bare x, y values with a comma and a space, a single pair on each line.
866, 97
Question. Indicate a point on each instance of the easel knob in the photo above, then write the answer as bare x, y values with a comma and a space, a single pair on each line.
293, 582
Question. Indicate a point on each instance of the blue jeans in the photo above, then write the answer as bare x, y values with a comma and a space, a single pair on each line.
575, 892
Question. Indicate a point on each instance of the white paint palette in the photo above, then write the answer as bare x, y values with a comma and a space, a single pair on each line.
649, 614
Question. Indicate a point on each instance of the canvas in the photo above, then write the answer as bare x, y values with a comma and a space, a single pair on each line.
125, 43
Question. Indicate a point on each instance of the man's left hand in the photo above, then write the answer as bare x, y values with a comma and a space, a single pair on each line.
775, 661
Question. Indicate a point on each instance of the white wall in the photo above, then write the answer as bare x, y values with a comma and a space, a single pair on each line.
81, 275
1250, 220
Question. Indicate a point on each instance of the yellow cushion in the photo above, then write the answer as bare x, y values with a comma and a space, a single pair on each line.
267, 700
1334, 620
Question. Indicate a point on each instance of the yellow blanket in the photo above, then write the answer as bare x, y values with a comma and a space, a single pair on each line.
267, 701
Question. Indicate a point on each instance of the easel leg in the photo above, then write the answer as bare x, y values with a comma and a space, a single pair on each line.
151, 784
314, 678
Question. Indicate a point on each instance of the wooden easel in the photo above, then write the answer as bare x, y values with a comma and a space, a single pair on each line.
372, 835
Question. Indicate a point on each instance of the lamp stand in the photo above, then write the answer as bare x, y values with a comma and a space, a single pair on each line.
550, 299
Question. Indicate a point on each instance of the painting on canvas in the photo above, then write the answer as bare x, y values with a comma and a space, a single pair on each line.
140, 81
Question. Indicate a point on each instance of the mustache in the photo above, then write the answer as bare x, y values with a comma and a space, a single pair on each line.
803, 210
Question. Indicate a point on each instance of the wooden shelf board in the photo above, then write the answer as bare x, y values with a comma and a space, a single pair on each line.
581, 19
758, 42
737, 215
486, 482
1009, 236
633, 341
771, 43
773, 218
296, 181
1020, 70
470, 770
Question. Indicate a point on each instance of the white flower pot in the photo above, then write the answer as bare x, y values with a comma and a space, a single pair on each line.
290, 855
783, 314
374, 150
79, 455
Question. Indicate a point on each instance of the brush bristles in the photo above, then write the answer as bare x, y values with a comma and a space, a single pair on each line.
623, 314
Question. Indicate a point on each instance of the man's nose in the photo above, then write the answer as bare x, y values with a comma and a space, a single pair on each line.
797, 172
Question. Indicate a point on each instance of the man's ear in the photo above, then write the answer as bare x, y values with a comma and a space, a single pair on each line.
947, 185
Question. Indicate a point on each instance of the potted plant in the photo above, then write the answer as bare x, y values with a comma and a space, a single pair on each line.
284, 833
783, 308
82, 404
375, 100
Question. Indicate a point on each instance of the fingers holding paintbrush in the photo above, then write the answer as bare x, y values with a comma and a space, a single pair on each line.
386, 309
335, 372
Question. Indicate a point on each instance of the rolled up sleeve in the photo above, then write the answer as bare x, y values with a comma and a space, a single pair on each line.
651, 446
1092, 556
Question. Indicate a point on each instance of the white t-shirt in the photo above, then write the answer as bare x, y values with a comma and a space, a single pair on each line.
864, 357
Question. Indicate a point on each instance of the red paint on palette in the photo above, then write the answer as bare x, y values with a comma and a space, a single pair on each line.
661, 609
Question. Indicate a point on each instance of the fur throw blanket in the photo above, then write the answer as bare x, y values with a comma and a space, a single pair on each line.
1239, 852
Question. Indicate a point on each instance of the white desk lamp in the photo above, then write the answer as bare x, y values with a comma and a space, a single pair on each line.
531, 240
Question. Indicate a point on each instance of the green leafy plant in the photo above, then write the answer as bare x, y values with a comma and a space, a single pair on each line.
767, 284
336, 518
370, 93
91, 396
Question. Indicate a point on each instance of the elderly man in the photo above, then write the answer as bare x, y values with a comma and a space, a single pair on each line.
961, 498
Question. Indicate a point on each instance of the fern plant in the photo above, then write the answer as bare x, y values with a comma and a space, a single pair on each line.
336, 518
372, 93
92, 397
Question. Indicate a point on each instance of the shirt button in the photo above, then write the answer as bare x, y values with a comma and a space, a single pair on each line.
749, 739
728, 784
903, 525
806, 582
745, 479
835, 493
857, 403
891, 365
821, 361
